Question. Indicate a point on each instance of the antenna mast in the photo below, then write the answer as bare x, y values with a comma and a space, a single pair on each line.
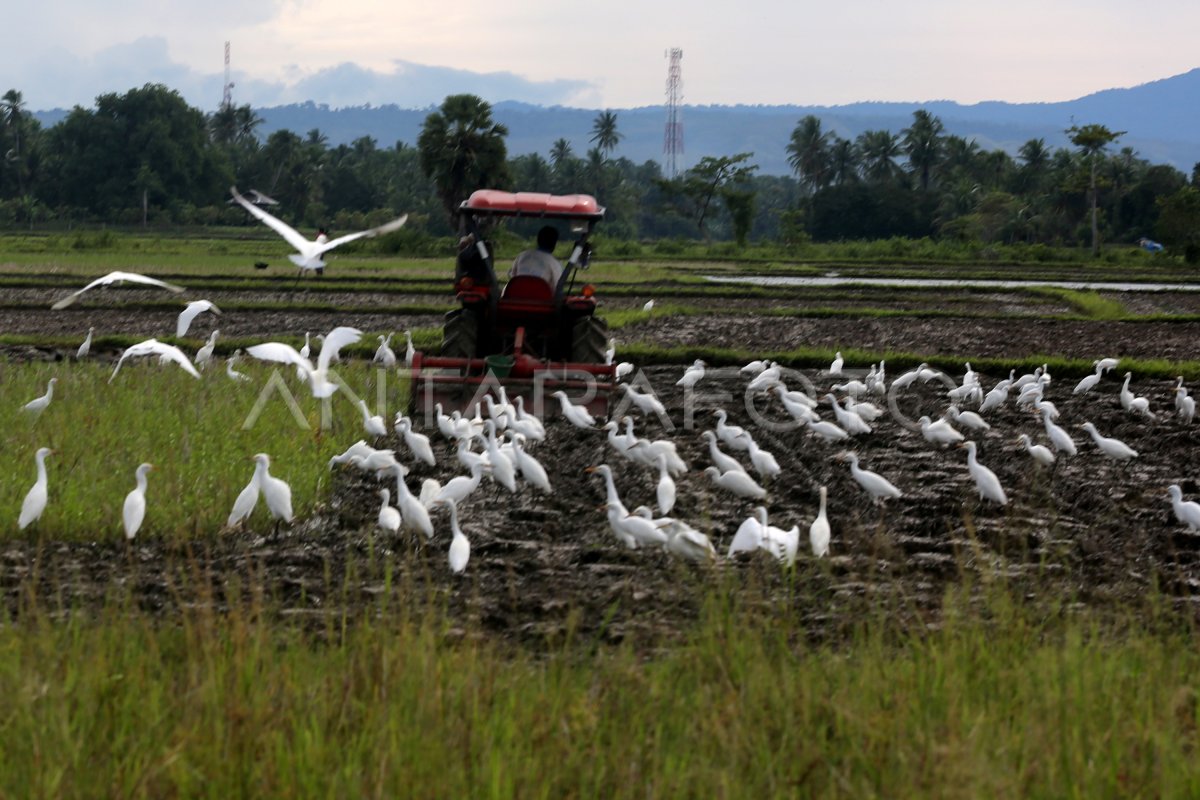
673, 135
227, 94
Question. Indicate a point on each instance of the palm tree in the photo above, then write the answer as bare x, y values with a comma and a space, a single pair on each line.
604, 132
1092, 140
808, 153
12, 106
878, 152
560, 152
462, 149
922, 143
843, 161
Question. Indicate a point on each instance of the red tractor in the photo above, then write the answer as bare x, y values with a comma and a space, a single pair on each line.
535, 335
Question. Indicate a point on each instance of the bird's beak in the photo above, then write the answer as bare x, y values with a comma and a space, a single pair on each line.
589, 469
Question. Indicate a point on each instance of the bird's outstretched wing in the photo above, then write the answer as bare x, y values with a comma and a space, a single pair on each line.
371, 233
290, 234
335, 340
155, 347
116, 277
193, 310
277, 351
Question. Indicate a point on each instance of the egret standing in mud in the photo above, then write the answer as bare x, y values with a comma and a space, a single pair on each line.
134, 510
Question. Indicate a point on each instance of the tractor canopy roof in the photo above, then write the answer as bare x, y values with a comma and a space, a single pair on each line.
532, 204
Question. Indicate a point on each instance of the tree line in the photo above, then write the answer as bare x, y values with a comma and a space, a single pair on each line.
146, 157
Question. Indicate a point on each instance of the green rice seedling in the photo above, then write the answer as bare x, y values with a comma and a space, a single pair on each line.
199, 434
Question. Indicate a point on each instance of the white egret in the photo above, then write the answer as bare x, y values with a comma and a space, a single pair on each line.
835, 368
665, 490
373, 424
204, 354
692, 375
1113, 448
737, 482
134, 510
1133, 404
308, 253
967, 419
460, 487
724, 462
1061, 440
39, 404
940, 432
415, 441
35, 500
384, 354
230, 371
1106, 364
86, 347
818, 532
576, 415
754, 367
503, 470
749, 535
648, 307
163, 351
854, 389
190, 312
623, 369
430, 489
801, 411
1185, 405
686, 542
765, 379
389, 517
632, 527
412, 512
531, 469
1041, 454
986, 481
1088, 383
782, 544
733, 436
879, 487
827, 430
318, 377
409, 351
850, 422
646, 402
116, 277
763, 462
275, 491
1187, 512
246, 500
611, 351
460, 545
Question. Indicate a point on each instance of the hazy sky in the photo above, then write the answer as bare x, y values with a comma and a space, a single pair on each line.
604, 54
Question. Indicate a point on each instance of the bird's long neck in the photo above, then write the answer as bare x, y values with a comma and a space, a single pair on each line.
824, 494
141, 481
260, 472
50, 391
41, 468
611, 487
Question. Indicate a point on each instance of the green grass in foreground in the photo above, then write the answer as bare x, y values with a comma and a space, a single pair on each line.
191, 430
1001, 702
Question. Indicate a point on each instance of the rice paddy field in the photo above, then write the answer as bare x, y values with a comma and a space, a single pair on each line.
947, 646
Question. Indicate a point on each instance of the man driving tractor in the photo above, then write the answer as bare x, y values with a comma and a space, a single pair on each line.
540, 262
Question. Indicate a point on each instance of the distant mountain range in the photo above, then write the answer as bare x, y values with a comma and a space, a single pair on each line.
1162, 120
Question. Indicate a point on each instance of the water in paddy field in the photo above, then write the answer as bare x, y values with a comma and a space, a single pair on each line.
936, 283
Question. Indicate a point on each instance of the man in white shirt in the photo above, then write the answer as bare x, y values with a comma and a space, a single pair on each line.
540, 262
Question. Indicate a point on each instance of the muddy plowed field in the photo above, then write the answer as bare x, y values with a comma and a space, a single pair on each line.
544, 567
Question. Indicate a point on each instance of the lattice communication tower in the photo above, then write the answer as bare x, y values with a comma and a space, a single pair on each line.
227, 93
673, 135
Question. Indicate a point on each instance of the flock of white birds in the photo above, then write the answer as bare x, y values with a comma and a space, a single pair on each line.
498, 439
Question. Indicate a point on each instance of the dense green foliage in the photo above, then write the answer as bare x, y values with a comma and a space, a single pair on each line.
146, 157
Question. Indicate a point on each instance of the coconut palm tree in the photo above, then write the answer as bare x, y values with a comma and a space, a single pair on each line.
462, 149
604, 132
1092, 140
923, 145
878, 154
808, 153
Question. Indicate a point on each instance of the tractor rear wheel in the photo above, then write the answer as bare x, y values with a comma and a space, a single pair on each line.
589, 340
460, 334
